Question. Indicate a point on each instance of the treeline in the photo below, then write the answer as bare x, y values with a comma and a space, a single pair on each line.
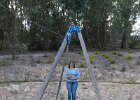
42, 24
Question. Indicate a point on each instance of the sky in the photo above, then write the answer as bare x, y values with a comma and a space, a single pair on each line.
136, 27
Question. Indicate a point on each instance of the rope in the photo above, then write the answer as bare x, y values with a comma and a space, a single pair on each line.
65, 59
45, 28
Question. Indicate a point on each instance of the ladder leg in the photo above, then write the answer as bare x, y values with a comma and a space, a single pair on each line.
50, 73
65, 58
92, 74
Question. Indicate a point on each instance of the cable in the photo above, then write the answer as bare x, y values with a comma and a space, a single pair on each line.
42, 26
35, 23
47, 29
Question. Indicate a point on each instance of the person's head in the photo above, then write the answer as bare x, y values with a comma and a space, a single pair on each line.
71, 64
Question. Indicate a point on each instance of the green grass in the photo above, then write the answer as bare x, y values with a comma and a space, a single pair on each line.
129, 57
92, 58
113, 66
50, 59
83, 57
63, 55
82, 65
114, 53
67, 61
117, 53
106, 56
96, 52
38, 61
131, 82
80, 51
5, 62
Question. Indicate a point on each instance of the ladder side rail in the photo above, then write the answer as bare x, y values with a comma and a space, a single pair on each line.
65, 59
50, 73
92, 74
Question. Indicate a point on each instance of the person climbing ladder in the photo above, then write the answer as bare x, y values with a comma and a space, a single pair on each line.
71, 75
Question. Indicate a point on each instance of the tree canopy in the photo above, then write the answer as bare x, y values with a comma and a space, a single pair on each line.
42, 24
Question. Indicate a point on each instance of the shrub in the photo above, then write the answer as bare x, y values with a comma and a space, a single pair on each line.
82, 65
50, 59
38, 61
92, 58
132, 81
96, 52
123, 69
67, 61
5, 62
21, 47
63, 55
83, 57
80, 51
113, 66
134, 42
119, 54
106, 56
138, 46
116, 53
129, 57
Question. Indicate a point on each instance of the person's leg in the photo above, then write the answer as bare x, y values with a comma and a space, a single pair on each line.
69, 90
74, 88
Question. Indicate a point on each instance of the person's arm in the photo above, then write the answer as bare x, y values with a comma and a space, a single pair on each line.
78, 75
66, 76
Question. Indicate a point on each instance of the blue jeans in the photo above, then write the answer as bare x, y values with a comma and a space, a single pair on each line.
72, 87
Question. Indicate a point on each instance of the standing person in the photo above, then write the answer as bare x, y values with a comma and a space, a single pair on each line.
71, 75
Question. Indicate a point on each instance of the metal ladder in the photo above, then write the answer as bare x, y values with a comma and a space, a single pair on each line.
66, 42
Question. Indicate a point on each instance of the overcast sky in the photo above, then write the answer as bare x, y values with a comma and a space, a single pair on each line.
136, 26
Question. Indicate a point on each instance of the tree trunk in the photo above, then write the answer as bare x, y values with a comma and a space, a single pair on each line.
123, 43
13, 33
14, 38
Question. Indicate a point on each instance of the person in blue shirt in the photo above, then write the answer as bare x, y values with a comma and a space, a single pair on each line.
71, 75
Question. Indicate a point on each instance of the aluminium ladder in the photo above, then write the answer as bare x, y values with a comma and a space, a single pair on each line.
66, 43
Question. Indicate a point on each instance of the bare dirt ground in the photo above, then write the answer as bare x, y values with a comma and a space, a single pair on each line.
117, 72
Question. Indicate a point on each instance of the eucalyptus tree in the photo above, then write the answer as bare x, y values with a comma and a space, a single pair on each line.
8, 25
124, 15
